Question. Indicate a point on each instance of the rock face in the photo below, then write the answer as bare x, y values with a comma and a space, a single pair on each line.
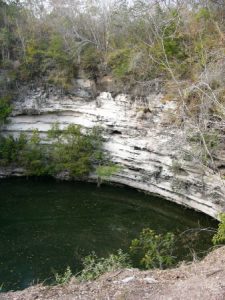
136, 136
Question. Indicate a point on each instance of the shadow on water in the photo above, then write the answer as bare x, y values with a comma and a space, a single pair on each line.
46, 225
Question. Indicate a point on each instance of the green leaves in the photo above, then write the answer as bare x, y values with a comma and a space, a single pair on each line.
10, 149
153, 250
73, 151
219, 237
5, 110
34, 156
94, 266
68, 150
105, 171
90, 60
119, 61
150, 250
64, 278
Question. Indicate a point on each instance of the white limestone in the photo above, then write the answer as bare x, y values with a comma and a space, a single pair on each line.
135, 136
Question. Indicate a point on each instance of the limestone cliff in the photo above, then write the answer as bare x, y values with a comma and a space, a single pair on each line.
136, 136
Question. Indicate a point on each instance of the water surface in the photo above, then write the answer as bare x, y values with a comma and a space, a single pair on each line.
47, 225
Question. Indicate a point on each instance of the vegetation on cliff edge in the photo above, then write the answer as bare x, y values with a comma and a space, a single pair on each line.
180, 44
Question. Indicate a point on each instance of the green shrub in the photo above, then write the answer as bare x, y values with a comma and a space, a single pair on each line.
219, 237
58, 65
35, 52
90, 61
61, 78
203, 14
56, 51
153, 250
104, 172
27, 153
47, 57
34, 157
75, 152
94, 266
63, 278
11, 148
69, 150
119, 62
5, 109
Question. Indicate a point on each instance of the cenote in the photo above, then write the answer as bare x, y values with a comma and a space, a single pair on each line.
47, 225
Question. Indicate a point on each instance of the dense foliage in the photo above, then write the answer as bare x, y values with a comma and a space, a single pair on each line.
179, 43
11, 149
5, 110
74, 151
151, 250
138, 40
69, 151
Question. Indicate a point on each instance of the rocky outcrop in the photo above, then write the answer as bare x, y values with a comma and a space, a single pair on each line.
136, 136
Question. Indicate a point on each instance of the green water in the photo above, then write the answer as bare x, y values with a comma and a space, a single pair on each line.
47, 225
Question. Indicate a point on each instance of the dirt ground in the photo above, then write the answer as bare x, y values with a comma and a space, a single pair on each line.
199, 280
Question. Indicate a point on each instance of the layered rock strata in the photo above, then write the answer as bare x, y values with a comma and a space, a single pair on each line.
136, 136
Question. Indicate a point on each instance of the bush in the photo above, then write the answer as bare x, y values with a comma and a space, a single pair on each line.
150, 251
173, 42
94, 266
153, 250
61, 78
90, 61
10, 149
5, 109
58, 64
26, 153
35, 52
35, 157
63, 278
104, 172
73, 151
219, 237
70, 151
119, 61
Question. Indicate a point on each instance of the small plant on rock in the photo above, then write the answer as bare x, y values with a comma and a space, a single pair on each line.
104, 172
176, 167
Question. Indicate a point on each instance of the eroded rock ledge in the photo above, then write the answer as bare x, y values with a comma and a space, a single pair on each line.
136, 135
